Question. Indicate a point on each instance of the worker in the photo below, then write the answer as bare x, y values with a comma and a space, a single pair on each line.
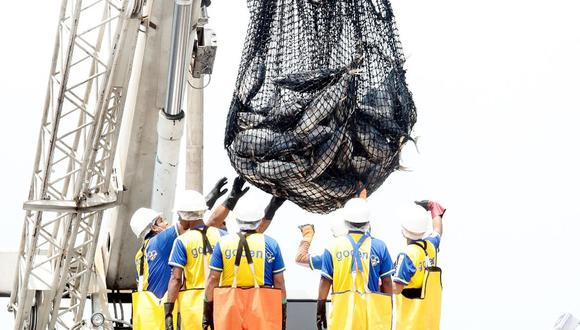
303, 257
152, 261
353, 264
252, 261
158, 238
188, 261
417, 279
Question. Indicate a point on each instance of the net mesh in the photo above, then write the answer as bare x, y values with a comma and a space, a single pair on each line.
321, 101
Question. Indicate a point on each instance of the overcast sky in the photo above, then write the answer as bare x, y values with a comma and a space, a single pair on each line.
496, 85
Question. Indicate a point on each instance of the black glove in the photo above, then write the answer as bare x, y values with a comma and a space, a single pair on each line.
424, 204
321, 315
216, 192
169, 315
207, 315
273, 206
236, 193
284, 315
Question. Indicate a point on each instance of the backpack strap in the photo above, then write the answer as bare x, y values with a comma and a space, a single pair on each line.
142, 265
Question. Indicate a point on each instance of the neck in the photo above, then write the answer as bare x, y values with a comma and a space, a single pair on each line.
187, 224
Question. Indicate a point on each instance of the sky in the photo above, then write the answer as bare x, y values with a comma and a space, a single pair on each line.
496, 87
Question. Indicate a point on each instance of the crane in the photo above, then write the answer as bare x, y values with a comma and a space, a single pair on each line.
98, 157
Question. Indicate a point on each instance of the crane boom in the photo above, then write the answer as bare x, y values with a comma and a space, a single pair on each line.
71, 182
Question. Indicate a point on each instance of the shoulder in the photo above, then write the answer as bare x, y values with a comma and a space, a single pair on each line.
378, 244
216, 231
270, 242
228, 238
338, 242
413, 251
187, 236
434, 238
170, 234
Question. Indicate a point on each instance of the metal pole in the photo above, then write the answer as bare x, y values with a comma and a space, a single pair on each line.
194, 147
179, 57
170, 125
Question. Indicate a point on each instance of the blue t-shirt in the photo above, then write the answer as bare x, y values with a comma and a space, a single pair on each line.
266, 256
315, 262
158, 270
337, 263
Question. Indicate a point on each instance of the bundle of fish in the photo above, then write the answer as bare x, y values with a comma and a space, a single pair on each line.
313, 135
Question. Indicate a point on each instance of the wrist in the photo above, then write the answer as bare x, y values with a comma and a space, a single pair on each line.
230, 203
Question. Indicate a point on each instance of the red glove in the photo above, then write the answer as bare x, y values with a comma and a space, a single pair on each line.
435, 208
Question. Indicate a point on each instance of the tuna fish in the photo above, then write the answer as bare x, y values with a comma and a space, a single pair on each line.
375, 145
325, 154
279, 170
323, 105
248, 120
254, 142
309, 81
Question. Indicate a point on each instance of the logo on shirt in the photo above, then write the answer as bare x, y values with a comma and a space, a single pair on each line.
269, 257
347, 253
375, 260
152, 255
231, 253
196, 252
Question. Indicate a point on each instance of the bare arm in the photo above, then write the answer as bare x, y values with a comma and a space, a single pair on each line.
438, 224
324, 288
218, 217
212, 282
264, 224
175, 282
387, 285
302, 253
279, 284
398, 287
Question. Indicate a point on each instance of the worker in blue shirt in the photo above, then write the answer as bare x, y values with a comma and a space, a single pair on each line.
189, 259
416, 280
152, 257
267, 269
373, 270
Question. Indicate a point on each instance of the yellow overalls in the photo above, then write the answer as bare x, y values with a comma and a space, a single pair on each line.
190, 298
148, 311
419, 305
353, 309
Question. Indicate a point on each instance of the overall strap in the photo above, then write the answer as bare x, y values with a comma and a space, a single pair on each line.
423, 245
142, 265
356, 264
243, 245
207, 248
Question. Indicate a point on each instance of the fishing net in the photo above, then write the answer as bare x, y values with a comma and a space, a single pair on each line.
321, 101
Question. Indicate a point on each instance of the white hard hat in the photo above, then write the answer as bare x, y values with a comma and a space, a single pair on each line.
189, 201
414, 221
356, 210
141, 221
248, 216
337, 226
